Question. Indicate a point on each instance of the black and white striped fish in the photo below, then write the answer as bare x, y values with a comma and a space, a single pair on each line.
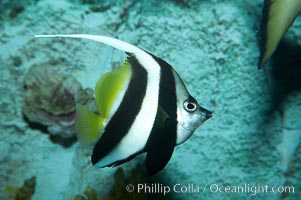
144, 106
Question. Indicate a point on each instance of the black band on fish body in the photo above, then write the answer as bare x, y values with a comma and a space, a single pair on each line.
162, 139
167, 91
122, 120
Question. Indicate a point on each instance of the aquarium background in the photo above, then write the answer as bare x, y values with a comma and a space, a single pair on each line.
252, 139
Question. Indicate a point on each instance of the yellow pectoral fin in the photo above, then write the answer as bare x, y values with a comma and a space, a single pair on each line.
109, 87
163, 116
88, 125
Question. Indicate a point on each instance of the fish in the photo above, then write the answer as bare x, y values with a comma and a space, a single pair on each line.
144, 107
277, 17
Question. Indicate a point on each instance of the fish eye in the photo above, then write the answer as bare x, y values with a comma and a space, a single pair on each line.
190, 106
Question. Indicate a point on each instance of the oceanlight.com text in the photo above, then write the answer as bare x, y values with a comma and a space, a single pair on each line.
251, 189
159, 188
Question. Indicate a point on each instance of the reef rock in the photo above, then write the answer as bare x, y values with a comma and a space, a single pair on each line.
50, 98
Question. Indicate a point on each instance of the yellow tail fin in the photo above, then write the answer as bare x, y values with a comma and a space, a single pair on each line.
88, 125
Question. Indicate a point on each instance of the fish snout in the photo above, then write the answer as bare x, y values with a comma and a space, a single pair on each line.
206, 114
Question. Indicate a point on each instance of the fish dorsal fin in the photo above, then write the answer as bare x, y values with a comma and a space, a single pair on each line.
109, 87
118, 44
88, 125
144, 58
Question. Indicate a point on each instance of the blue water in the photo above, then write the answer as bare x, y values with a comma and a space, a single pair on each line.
249, 149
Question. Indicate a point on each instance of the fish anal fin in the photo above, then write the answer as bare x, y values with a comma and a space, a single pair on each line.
109, 87
88, 125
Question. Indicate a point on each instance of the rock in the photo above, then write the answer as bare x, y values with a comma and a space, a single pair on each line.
50, 98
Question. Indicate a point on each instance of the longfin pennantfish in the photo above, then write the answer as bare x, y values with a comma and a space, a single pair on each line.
278, 16
144, 106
